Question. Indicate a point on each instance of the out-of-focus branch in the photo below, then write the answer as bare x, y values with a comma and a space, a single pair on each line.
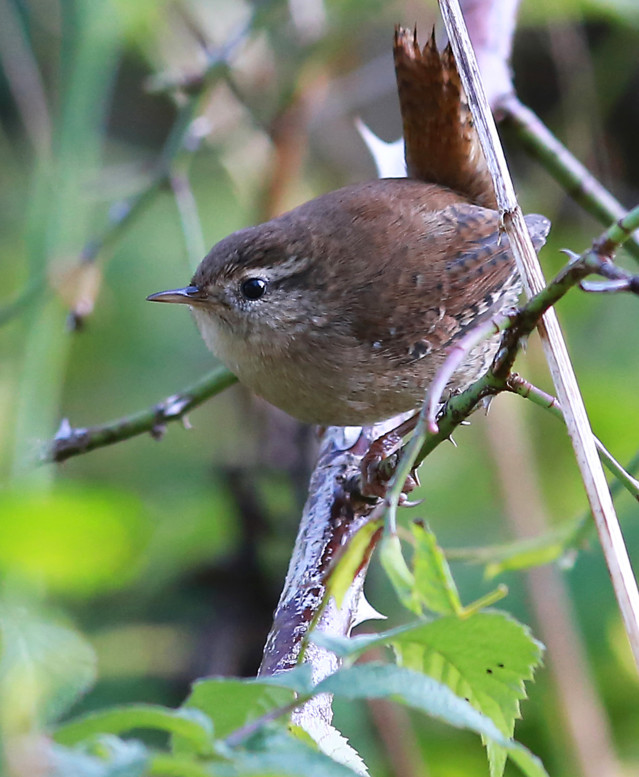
121, 216
71, 441
194, 88
577, 424
216, 66
575, 179
22, 300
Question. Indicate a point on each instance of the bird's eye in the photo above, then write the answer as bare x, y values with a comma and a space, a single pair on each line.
253, 288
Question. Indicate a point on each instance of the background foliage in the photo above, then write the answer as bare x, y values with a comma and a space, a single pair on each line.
168, 557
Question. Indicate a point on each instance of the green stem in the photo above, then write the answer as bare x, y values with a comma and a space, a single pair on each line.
404, 468
72, 442
312, 624
492, 597
617, 234
584, 526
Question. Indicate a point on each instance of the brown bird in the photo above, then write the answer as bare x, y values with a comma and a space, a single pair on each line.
341, 311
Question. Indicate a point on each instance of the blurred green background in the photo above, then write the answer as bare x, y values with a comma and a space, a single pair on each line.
168, 556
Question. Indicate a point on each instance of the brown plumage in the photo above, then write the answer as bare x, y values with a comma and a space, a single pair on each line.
442, 145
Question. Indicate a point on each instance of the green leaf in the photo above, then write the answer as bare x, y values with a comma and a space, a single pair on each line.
350, 561
44, 668
345, 647
350, 647
232, 703
400, 576
80, 541
433, 579
374, 681
485, 659
430, 586
191, 724
274, 753
377, 681
108, 757
298, 678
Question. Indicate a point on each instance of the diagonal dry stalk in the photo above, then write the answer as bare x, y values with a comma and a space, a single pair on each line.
563, 376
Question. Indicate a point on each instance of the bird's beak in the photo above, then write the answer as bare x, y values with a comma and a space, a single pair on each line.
189, 295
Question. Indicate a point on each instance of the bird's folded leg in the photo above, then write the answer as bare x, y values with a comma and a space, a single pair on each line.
374, 481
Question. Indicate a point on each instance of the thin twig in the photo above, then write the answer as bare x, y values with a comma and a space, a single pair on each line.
121, 215
216, 66
577, 424
518, 385
125, 212
72, 442
567, 537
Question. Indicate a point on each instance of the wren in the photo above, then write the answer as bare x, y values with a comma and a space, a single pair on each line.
341, 311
